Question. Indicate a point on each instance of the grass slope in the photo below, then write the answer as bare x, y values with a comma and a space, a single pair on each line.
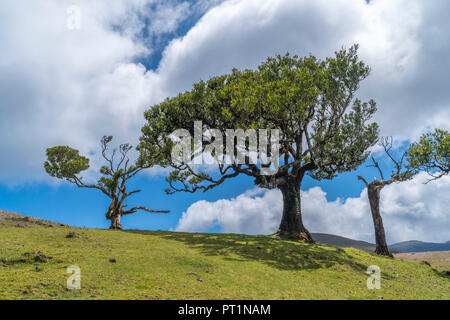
167, 265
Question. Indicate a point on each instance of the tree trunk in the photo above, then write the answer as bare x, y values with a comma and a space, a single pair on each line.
114, 214
373, 192
115, 222
291, 223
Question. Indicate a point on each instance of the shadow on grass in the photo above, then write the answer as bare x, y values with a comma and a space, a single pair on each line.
283, 255
439, 272
16, 261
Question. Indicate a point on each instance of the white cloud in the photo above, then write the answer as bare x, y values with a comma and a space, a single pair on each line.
60, 86
401, 40
411, 210
167, 18
252, 213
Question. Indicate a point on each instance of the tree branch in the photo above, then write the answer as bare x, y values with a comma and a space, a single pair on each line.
375, 165
134, 209
80, 184
363, 180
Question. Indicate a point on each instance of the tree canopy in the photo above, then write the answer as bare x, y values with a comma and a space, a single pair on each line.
323, 128
431, 154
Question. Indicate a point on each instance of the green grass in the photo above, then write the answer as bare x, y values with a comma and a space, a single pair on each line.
166, 265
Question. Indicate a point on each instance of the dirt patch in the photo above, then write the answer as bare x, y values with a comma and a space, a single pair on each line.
437, 259
423, 255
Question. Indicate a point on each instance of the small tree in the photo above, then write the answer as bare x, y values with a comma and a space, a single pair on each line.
66, 163
323, 128
374, 189
431, 154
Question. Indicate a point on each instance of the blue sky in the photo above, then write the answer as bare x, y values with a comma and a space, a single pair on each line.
85, 207
70, 87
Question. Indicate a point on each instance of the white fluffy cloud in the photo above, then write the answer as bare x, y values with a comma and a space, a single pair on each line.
61, 86
410, 210
166, 18
402, 41
244, 33
254, 212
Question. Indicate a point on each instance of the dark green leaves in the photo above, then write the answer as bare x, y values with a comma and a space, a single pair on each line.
323, 127
65, 162
432, 153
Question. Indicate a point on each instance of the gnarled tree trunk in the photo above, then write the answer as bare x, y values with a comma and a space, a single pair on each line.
115, 222
114, 214
373, 192
291, 222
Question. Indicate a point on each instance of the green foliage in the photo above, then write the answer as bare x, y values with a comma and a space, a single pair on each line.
406, 175
311, 101
65, 162
432, 153
110, 182
347, 150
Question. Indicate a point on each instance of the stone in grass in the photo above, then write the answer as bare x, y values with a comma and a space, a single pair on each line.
71, 235
40, 258
112, 260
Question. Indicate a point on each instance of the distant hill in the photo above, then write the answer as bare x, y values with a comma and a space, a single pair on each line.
342, 242
405, 246
420, 246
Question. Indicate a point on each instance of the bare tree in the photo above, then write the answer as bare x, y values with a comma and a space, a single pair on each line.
66, 163
399, 174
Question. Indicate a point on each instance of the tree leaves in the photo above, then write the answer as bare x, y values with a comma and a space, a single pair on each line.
65, 162
431, 154
323, 128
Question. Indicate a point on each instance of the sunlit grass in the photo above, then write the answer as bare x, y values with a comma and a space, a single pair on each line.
168, 265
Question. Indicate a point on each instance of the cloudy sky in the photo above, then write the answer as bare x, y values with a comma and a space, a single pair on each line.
65, 80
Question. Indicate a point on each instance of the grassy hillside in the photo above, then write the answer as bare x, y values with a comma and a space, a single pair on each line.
166, 265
